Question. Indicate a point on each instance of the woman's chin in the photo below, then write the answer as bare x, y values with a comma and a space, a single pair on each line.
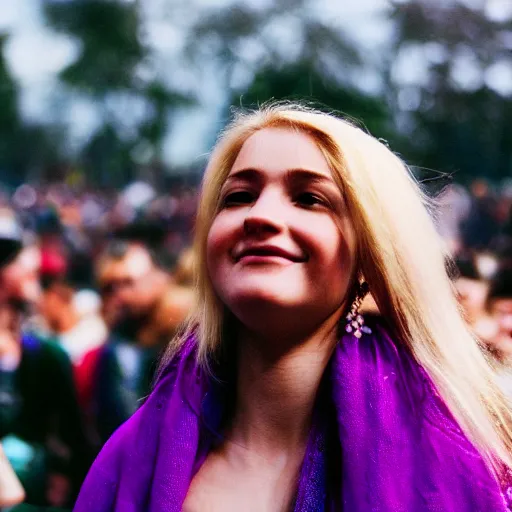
265, 298
261, 305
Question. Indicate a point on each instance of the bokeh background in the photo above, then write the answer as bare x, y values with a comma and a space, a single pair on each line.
108, 109
99, 95
98, 92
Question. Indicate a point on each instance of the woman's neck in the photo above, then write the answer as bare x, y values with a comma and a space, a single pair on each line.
276, 392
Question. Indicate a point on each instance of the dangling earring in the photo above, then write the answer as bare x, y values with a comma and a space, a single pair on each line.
355, 320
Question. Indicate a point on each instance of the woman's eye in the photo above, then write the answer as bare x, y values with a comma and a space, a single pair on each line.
309, 199
238, 198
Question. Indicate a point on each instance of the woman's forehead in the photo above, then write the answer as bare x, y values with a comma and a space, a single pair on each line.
279, 150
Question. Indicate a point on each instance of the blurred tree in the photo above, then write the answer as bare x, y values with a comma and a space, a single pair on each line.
449, 116
438, 107
286, 50
10, 124
302, 82
108, 35
107, 158
134, 110
252, 37
25, 149
9, 111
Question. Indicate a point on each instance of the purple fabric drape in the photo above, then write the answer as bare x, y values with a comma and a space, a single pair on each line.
398, 446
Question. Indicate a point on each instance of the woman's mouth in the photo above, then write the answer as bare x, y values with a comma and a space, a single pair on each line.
265, 253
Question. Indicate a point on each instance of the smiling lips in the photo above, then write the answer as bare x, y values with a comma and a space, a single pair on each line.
266, 251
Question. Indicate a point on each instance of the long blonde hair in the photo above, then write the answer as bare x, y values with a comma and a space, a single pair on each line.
400, 255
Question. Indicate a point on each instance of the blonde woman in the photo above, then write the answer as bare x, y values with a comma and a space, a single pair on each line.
278, 396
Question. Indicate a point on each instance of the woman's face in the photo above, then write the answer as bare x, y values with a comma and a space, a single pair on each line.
280, 252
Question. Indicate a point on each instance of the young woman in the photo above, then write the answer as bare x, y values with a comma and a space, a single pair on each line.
278, 396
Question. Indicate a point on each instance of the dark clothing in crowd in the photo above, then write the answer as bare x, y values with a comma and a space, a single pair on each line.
40, 422
480, 228
119, 376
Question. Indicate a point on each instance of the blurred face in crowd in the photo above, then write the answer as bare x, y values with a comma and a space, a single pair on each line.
479, 188
281, 248
501, 310
56, 305
129, 285
19, 280
472, 294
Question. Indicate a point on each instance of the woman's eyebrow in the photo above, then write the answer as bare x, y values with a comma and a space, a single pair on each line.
308, 175
252, 174
302, 177
249, 174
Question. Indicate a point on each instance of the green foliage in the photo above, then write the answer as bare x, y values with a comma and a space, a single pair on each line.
110, 46
224, 34
111, 54
23, 147
162, 100
446, 126
9, 94
301, 82
452, 25
108, 158
462, 130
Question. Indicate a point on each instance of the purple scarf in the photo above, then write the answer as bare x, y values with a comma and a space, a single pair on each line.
397, 447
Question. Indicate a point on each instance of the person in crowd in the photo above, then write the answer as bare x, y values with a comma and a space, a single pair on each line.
78, 330
143, 308
184, 270
454, 205
500, 307
40, 424
277, 389
472, 291
137, 293
504, 219
480, 227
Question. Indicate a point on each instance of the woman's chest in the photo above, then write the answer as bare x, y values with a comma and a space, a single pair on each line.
223, 486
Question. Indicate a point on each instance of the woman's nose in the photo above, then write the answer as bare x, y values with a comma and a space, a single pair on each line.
266, 215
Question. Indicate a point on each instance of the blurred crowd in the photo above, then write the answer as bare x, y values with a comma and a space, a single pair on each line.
94, 284
476, 224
